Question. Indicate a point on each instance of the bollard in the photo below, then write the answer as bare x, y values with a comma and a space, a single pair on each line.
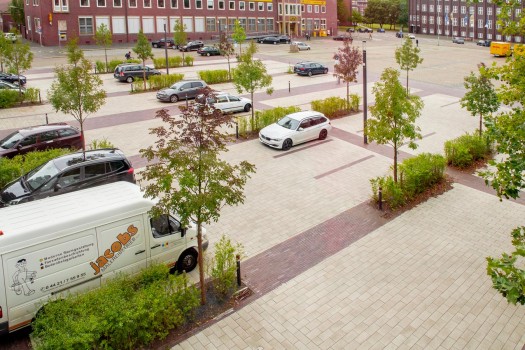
131, 87
95, 66
380, 195
238, 269
237, 130
186, 100
289, 86
47, 120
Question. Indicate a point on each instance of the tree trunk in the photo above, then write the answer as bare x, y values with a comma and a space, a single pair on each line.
144, 73
200, 260
395, 163
348, 95
480, 124
407, 82
253, 112
106, 54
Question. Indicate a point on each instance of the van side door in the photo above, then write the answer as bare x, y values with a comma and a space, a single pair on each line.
167, 240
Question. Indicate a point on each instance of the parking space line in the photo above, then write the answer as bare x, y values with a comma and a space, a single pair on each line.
343, 167
302, 148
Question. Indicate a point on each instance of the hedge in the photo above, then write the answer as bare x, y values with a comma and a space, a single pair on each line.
463, 151
263, 118
214, 76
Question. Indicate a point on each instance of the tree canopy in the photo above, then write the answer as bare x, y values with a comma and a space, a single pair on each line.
104, 38
407, 56
346, 68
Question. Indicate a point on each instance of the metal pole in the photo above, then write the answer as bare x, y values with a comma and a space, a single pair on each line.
166, 49
238, 257
380, 194
289, 88
47, 120
365, 103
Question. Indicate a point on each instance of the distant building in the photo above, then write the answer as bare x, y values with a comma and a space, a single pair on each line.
457, 18
51, 21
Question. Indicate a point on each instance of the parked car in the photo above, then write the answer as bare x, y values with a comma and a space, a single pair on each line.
209, 51
11, 37
13, 78
294, 129
479, 43
380, 30
284, 39
129, 71
161, 43
458, 40
399, 34
228, 103
365, 30
309, 68
301, 46
269, 40
4, 85
192, 46
350, 30
39, 138
69, 173
343, 38
183, 89
411, 36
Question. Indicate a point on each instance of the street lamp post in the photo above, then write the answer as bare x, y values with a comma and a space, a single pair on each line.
365, 103
166, 49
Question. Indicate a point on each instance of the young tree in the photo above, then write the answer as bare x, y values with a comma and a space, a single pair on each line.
16, 10
407, 56
481, 98
180, 37
76, 91
18, 59
394, 114
5, 46
239, 35
143, 51
188, 175
356, 16
349, 60
227, 50
251, 75
104, 38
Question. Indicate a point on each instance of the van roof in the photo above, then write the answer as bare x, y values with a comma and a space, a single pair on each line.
46, 219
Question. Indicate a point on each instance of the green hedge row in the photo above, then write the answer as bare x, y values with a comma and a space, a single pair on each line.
416, 175
463, 151
157, 82
263, 118
214, 76
336, 106
9, 98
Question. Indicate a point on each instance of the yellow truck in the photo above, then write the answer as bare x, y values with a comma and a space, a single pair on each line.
498, 48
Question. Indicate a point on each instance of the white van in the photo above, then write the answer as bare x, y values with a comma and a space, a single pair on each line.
74, 242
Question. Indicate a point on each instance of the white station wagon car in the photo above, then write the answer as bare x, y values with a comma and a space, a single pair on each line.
301, 46
227, 103
296, 128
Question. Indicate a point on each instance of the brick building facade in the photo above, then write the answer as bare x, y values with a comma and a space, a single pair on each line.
48, 21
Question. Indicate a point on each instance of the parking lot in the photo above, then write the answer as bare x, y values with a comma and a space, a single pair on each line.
416, 281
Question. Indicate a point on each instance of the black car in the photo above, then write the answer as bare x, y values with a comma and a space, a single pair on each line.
365, 30
129, 71
309, 68
13, 78
343, 38
40, 138
161, 43
68, 173
209, 51
269, 40
350, 30
380, 30
485, 43
284, 39
192, 46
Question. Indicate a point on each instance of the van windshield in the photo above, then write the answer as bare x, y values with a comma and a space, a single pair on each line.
39, 176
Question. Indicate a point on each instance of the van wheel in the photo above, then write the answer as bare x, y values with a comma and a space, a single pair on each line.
247, 107
174, 98
187, 261
129, 79
323, 134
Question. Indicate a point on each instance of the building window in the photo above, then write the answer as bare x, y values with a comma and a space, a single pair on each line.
423, 7
29, 22
38, 28
231, 5
323, 9
260, 25
480, 10
302, 8
59, 5
210, 25
222, 5
242, 5
85, 25
117, 3
518, 12
147, 3
438, 8
36, 2
242, 23
430, 8
251, 6
251, 24
84, 3
269, 6
454, 9
161, 4
269, 24
174, 4
431, 20
260, 6
309, 8
198, 4
210, 5
186, 4
132, 3
316, 8
101, 3
323, 24
424, 19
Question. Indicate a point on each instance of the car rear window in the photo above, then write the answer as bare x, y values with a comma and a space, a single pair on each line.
67, 132
93, 170
117, 165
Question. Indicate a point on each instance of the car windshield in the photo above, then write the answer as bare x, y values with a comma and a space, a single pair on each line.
39, 176
288, 123
10, 140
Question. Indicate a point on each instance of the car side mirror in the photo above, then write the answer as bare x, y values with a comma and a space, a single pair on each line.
57, 187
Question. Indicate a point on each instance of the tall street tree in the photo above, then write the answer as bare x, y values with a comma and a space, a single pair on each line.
143, 51
16, 10
227, 50
76, 91
239, 35
407, 56
481, 98
394, 114
349, 60
18, 59
180, 37
251, 75
188, 175
104, 38
377, 11
5, 47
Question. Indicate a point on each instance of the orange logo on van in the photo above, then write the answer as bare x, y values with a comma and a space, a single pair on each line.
115, 249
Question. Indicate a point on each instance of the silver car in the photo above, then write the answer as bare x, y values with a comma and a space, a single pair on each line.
181, 90
301, 46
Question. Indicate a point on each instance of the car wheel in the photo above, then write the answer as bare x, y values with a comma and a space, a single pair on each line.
326, 71
310, 73
129, 79
308, 48
187, 261
208, 54
287, 144
323, 134
174, 98
247, 107
275, 42
155, 45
